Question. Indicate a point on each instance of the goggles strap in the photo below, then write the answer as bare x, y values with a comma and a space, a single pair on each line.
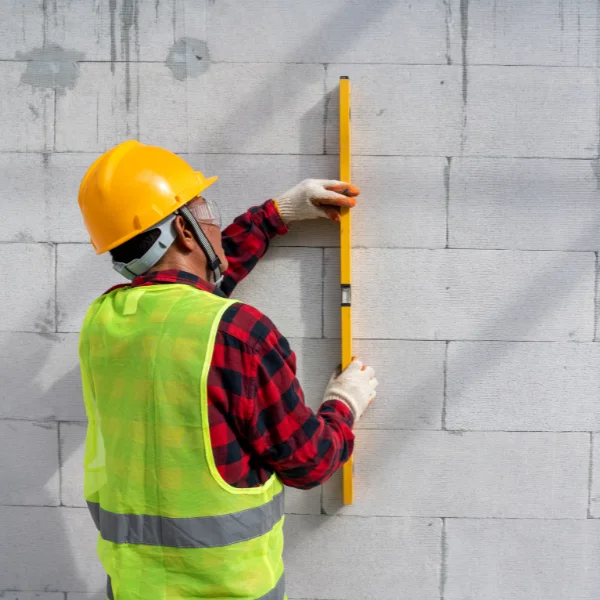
214, 262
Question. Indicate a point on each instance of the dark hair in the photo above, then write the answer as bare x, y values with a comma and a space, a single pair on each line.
135, 247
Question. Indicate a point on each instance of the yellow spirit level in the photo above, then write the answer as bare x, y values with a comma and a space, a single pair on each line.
345, 263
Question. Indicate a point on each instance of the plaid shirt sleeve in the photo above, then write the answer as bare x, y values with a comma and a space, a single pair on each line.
247, 239
304, 448
267, 410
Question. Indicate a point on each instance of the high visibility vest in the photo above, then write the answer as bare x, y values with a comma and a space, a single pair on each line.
169, 526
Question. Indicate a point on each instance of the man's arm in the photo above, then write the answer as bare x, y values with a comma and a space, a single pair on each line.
258, 419
305, 449
247, 239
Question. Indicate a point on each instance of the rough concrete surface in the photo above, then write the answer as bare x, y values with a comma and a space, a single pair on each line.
522, 559
483, 475
475, 269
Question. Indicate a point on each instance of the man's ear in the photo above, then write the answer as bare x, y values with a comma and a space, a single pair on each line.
185, 237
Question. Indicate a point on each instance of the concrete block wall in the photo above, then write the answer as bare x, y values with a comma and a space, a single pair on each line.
476, 131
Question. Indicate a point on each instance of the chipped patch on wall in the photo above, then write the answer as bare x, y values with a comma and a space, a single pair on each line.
51, 67
188, 58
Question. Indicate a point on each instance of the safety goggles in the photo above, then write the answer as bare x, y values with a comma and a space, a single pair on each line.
206, 212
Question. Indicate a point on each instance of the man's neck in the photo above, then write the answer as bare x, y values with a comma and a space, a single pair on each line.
197, 268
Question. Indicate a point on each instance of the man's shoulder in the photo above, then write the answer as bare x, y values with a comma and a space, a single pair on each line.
249, 326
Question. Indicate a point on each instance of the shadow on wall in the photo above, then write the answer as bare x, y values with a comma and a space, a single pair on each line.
45, 386
341, 28
57, 542
307, 270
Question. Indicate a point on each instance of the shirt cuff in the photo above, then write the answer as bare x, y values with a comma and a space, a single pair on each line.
339, 407
274, 217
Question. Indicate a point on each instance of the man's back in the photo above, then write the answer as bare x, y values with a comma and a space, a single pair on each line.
151, 479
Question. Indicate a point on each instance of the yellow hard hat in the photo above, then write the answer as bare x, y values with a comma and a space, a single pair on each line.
131, 188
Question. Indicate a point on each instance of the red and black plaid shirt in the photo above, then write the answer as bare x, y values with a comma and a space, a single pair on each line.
259, 423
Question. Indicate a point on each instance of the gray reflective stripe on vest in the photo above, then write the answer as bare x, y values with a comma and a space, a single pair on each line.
277, 593
195, 532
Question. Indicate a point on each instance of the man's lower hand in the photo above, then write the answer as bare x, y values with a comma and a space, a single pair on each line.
355, 386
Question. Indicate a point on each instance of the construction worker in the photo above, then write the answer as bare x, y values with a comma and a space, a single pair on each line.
196, 420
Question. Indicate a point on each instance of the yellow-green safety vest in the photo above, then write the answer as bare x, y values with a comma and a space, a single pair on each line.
169, 526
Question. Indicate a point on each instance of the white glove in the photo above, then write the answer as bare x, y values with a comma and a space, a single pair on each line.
355, 386
316, 199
